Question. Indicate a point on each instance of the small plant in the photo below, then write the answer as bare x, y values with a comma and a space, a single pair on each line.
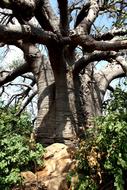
18, 153
102, 155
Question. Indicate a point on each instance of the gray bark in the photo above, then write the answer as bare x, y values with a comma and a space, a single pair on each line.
56, 122
66, 105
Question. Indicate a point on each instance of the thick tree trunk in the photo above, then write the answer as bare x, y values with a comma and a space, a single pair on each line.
66, 102
92, 94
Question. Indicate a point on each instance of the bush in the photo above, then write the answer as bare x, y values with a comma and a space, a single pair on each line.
102, 155
18, 153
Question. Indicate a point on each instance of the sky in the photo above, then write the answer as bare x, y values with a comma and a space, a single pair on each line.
8, 56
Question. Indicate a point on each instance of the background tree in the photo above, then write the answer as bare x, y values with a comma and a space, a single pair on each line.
70, 88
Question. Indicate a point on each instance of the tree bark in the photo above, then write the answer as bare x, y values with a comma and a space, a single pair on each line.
66, 101
56, 122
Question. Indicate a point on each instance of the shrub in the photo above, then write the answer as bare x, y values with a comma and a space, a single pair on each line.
102, 155
18, 153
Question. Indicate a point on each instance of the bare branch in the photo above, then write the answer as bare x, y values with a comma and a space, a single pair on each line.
82, 14
29, 99
2, 90
14, 74
111, 34
74, 6
10, 34
51, 15
120, 60
95, 56
110, 88
13, 97
21, 95
90, 44
22, 84
46, 16
112, 71
29, 76
86, 23
26, 92
63, 8
23, 10
29, 33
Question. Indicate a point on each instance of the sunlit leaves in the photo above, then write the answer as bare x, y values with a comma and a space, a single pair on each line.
16, 152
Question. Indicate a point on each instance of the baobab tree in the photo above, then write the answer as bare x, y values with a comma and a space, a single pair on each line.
70, 88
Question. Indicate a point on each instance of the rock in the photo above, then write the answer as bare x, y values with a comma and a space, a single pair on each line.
58, 161
28, 176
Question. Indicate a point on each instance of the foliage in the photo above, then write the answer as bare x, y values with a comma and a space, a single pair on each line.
102, 155
18, 153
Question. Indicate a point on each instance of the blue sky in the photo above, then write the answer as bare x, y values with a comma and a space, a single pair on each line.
101, 20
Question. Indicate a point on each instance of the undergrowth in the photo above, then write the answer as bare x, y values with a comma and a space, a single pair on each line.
17, 152
102, 155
